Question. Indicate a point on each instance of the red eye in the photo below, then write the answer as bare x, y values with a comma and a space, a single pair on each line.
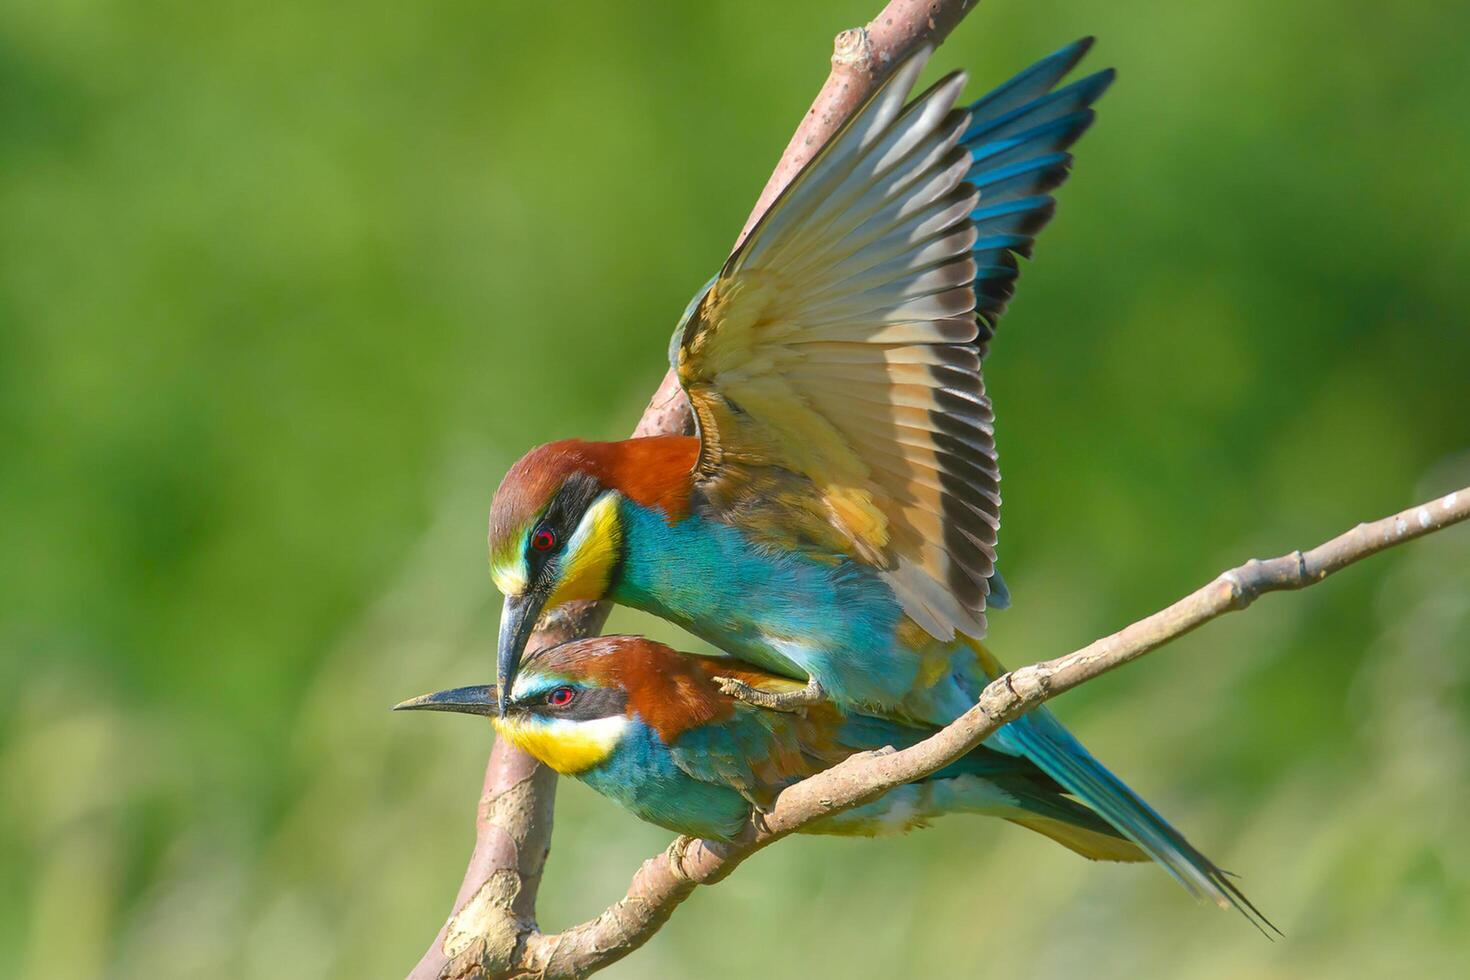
561, 697
543, 540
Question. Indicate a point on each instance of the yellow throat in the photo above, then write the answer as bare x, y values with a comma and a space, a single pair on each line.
567, 746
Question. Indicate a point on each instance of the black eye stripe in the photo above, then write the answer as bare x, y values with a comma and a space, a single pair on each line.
561, 517
535, 559
588, 704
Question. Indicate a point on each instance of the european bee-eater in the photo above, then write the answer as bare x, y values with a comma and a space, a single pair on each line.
649, 728
834, 519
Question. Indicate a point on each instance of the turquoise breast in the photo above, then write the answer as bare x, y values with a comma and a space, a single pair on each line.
784, 611
640, 775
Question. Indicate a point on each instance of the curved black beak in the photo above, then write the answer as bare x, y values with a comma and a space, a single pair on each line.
517, 621
479, 700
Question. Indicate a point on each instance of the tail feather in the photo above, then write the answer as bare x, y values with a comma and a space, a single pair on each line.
1040, 737
1043, 740
1091, 844
1028, 800
1041, 807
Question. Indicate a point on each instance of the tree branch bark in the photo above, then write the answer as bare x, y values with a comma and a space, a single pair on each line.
493, 921
495, 909
666, 880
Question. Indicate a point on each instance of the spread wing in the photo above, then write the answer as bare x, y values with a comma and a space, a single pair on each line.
834, 364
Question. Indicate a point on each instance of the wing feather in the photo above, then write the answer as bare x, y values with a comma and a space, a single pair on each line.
838, 353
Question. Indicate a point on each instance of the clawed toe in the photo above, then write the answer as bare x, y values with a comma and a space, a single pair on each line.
733, 687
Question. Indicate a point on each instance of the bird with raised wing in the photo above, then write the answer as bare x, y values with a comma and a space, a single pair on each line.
834, 519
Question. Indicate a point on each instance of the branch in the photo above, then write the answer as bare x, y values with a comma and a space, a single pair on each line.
861, 58
666, 880
495, 909
493, 926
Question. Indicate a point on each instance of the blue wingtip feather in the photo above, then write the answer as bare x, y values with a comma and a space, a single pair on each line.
1078, 95
1017, 140
1040, 77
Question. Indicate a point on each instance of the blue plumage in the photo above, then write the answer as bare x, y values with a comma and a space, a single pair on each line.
785, 580
1017, 139
642, 776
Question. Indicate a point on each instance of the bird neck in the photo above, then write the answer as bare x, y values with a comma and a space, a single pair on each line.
655, 472
642, 776
698, 573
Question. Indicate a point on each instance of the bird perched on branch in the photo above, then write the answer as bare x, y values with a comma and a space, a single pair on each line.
834, 519
650, 728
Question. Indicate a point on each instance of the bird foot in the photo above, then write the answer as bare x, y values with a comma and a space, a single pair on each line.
813, 693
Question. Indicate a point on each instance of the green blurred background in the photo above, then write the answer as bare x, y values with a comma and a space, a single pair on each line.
285, 287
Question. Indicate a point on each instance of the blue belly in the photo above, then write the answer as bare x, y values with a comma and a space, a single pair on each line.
787, 612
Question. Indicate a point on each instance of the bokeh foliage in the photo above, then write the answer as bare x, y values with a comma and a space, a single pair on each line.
284, 287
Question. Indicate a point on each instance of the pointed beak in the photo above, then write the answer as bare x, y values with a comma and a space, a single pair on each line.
479, 700
517, 620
